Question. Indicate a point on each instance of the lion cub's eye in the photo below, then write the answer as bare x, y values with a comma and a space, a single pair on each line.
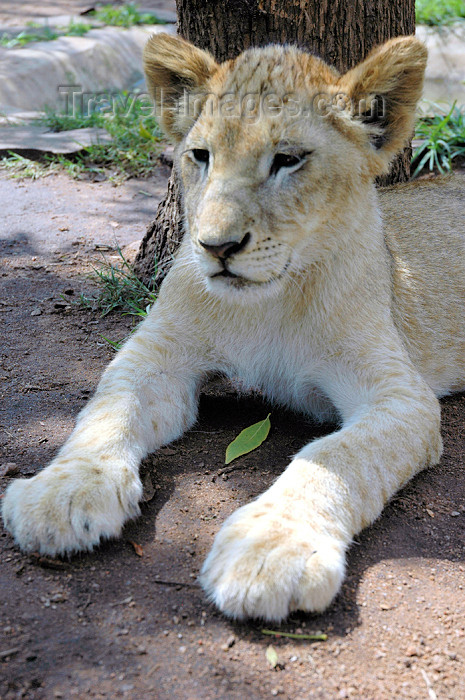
285, 160
201, 155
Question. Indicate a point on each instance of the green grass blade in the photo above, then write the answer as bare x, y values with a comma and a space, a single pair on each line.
292, 635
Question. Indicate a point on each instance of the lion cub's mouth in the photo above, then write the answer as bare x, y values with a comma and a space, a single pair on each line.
239, 282
225, 273
233, 280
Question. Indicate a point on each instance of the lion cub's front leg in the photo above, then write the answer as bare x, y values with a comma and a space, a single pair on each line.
146, 398
286, 550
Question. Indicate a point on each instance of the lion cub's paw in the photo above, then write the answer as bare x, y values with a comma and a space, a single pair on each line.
64, 510
265, 564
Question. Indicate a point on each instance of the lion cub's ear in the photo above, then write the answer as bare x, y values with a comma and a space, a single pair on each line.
173, 68
384, 90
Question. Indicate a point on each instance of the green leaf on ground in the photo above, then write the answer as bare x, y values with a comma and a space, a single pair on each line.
249, 439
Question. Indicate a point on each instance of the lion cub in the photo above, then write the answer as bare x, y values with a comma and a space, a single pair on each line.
286, 280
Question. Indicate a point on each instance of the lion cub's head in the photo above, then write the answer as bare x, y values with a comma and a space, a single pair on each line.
276, 151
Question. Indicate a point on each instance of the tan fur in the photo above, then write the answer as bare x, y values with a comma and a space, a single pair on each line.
424, 226
312, 303
175, 66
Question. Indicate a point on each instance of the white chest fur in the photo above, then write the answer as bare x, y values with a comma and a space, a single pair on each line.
289, 367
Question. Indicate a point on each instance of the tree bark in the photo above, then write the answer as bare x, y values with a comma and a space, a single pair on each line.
341, 32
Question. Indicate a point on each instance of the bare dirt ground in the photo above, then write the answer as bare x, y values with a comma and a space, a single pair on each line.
116, 624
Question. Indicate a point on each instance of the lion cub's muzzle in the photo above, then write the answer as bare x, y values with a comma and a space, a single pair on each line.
223, 251
234, 260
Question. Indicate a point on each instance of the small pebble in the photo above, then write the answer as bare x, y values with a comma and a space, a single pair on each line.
411, 651
229, 643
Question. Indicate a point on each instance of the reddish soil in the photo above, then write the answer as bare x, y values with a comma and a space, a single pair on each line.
118, 624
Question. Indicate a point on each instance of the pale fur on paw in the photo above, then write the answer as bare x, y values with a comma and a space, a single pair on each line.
265, 563
69, 508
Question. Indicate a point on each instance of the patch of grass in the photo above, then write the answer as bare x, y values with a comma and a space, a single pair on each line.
124, 15
115, 15
46, 34
443, 139
19, 167
135, 145
119, 288
57, 121
439, 12
77, 29
133, 151
24, 38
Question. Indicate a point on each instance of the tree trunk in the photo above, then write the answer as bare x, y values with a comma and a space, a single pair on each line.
342, 32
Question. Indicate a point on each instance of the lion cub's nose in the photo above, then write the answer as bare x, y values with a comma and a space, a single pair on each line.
225, 250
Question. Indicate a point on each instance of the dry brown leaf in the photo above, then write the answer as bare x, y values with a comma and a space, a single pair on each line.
137, 548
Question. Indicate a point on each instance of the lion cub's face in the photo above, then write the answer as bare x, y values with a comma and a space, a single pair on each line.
258, 184
276, 150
